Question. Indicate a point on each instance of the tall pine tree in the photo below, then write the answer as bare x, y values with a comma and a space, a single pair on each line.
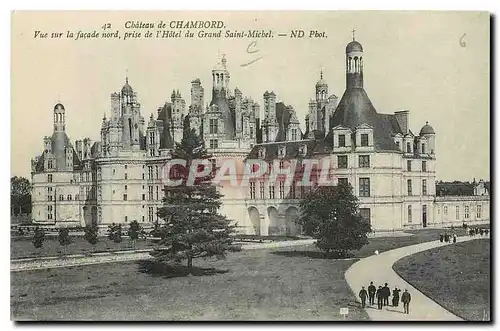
192, 226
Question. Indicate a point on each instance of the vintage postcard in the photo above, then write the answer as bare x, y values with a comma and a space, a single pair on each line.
250, 166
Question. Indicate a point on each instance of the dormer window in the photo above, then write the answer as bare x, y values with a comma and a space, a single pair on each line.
262, 153
408, 147
303, 150
341, 140
364, 139
423, 148
282, 151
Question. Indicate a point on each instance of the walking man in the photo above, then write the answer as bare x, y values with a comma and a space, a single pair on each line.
454, 238
363, 294
441, 237
406, 298
379, 297
371, 293
386, 294
395, 297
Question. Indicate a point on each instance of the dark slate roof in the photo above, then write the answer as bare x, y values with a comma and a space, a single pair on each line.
354, 46
427, 129
283, 118
219, 99
355, 108
60, 141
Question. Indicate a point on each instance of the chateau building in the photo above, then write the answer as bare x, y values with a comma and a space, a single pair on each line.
121, 177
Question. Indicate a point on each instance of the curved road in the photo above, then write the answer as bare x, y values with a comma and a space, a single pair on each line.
378, 268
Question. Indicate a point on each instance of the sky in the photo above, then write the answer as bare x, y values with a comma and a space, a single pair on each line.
435, 64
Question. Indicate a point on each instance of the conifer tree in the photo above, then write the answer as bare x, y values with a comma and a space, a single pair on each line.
192, 226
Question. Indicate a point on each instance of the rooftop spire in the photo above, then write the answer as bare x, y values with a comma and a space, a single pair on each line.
321, 74
353, 34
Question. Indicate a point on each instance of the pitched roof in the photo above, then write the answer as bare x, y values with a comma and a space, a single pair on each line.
355, 108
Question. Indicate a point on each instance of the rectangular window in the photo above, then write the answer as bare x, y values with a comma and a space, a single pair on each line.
342, 161
409, 214
457, 212
157, 172
150, 214
423, 148
341, 140
364, 187
214, 143
150, 172
478, 211
364, 161
126, 187
409, 187
364, 139
466, 212
282, 164
150, 192
157, 193
365, 214
262, 191
143, 196
292, 191
126, 176
408, 147
398, 145
294, 134
125, 197
49, 178
424, 166
252, 190
214, 125
424, 186
151, 138
152, 152
408, 165
271, 191
282, 190
343, 181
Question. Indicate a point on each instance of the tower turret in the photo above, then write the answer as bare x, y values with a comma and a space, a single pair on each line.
354, 64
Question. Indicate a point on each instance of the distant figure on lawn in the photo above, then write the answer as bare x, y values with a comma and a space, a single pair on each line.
454, 238
481, 232
363, 294
464, 225
486, 231
380, 295
446, 237
476, 230
395, 297
371, 293
471, 232
441, 237
386, 294
406, 298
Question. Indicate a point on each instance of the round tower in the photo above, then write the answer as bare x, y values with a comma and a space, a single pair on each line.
354, 63
428, 132
220, 76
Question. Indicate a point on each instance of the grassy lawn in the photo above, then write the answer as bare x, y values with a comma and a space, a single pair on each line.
256, 285
456, 276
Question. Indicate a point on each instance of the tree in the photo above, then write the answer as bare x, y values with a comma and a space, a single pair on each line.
20, 195
192, 226
38, 238
133, 231
115, 233
91, 234
331, 215
64, 238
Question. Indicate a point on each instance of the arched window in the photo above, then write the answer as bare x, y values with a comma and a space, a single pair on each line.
61, 197
69, 197
356, 64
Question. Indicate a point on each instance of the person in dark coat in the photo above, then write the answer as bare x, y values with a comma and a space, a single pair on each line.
441, 237
395, 297
486, 231
371, 293
386, 294
405, 299
471, 232
477, 230
454, 238
380, 295
362, 295
481, 232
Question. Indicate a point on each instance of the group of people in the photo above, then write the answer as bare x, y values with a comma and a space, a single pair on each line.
447, 237
382, 294
478, 231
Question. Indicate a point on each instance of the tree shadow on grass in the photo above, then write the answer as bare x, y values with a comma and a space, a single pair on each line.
170, 271
314, 254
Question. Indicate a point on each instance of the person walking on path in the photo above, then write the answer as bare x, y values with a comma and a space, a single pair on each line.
481, 232
486, 231
406, 298
371, 294
386, 294
363, 294
395, 297
441, 237
380, 297
454, 238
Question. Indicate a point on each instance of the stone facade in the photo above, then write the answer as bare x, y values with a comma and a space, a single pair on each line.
120, 178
